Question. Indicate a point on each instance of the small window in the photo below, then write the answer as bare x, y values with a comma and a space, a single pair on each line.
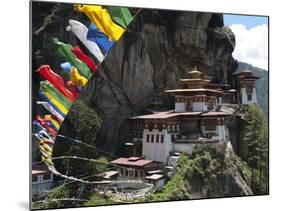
249, 97
157, 138
40, 178
152, 138
162, 138
147, 138
188, 105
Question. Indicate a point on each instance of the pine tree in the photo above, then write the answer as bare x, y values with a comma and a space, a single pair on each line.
257, 142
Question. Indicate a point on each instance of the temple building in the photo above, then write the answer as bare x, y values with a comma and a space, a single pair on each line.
245, 85
134, 167
197, 119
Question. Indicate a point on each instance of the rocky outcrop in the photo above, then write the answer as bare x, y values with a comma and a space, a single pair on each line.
223, 177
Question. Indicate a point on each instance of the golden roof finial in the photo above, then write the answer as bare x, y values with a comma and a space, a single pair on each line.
195, 68
194, 72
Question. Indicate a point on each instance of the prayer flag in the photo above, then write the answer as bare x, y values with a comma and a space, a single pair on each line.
120, 15
48, 88
84, 58
74, 89
56, 81
76, 78
65, 67
64, 50
101, 18
81, 32
53, 106
95, 35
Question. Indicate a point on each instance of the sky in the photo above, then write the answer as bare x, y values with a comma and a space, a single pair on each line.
251, 34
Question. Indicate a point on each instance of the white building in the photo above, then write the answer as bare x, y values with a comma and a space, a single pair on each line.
246, 90
42, 181
194, 120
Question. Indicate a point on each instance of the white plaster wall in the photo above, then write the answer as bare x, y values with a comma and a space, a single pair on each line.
220, 130
179, 107
184, 148
220, 100
254, 96
199, 106
245, 100
40, 189
156, 151
203, 129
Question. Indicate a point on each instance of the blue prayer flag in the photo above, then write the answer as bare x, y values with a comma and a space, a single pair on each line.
45, 98
95, 35
66, 67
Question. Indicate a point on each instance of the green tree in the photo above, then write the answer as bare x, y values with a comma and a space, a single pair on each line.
257, 142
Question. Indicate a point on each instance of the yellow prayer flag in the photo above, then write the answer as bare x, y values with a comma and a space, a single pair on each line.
57, 103
76, 78
101, 18
54, 122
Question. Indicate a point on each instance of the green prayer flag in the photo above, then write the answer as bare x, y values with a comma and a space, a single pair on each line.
64, 50
47, 87
120, 15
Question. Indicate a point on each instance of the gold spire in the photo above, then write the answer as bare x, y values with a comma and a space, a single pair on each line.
195, 73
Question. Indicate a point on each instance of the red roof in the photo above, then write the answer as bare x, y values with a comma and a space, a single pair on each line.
215, 113
129, 162
192, 90
169, 114
166, 114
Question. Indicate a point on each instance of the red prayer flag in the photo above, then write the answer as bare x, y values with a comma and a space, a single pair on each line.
43, 123
56, 81
83, 57
56, 118
73, 88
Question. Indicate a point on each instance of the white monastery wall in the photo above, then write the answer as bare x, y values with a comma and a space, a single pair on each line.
156, 151
199, 106
245, 100
179, 107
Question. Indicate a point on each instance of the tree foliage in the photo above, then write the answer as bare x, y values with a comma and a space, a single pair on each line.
256, 137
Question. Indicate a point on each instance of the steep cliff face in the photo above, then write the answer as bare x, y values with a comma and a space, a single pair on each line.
156, 51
